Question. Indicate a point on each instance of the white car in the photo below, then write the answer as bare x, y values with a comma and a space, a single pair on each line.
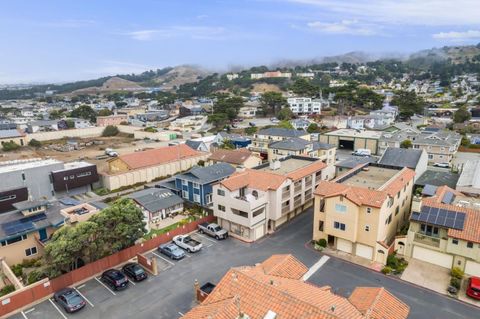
442, 165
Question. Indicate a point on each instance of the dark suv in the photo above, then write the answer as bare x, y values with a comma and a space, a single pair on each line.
115, 279
134, 271
69, 299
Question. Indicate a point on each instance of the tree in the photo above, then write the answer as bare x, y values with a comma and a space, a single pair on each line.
251, 130
303, 87
110, 130
228, 106
406, 144
461, 115
34, 143
285, 114
218, 119
70, 123
227, 145
104, 112
10, 146
313, 128
285, 124
272, 102
84, 112
408, 103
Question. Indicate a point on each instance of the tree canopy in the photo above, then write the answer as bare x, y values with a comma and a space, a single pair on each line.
272, 102
408, 103
406, 144
285, 114
84, 112
303, 87
461, 115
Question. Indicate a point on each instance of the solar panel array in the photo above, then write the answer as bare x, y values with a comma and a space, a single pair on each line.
440, 217
22, 225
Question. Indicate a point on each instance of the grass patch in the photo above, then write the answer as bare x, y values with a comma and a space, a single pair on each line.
156, 232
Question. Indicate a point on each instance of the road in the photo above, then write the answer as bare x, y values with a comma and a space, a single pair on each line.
171, 292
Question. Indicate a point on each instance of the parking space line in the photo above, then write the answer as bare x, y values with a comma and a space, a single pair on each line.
29, 310
101, 283
91, 304
23, 314
80, 287
205, 237
168, 261
131, 282
53, 304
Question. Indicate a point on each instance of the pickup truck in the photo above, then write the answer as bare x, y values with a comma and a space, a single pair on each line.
188, 243
213, 230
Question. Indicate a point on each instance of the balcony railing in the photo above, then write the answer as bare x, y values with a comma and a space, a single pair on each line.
427, 240
286, 195
297, 188
285, 209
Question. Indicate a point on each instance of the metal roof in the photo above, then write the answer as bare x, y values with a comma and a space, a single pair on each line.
155, 199
401, 157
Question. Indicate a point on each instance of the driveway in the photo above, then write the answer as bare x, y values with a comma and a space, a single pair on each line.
427, 275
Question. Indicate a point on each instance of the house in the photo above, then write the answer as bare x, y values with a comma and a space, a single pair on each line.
300, 124
350, 139
275, 288
444, 230
437, 178
42, 126
270, 74
306, 105
197, 145
115, 119
247, 112
145, 166
254, 202
12, 135
239, 141
238, 158
78, 213
264, 137
157, 204
191, 110
361, 211
351, 162
469, 180
196, 185
414, 159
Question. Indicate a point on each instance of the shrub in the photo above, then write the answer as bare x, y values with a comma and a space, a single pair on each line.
10, 146
101, 191
17, 270
392, 261
457, 273
201, 163
455, 282
322, 242
387, 270
110, 130
35, 276
251, 130
151, 129
35, 143
7, 289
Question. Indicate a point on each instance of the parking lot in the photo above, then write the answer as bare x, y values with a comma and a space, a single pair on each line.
171, 293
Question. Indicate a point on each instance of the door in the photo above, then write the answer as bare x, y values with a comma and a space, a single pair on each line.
43, 234
433, 257
364, 251
472, 268
259, 232
344, 245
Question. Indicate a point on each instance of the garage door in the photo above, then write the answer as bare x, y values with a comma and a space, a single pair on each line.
433, 257
472, 268
344, 245
364, 251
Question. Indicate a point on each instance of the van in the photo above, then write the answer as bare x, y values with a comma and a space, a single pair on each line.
362, 152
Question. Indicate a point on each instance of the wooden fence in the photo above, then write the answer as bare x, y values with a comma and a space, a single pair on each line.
43, 289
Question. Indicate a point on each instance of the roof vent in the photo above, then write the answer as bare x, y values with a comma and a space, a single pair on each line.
270, 315
275, 165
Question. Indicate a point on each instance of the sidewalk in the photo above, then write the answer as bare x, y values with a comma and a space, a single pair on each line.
353, 259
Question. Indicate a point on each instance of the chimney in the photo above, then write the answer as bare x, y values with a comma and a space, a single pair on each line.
416, 203
275, 164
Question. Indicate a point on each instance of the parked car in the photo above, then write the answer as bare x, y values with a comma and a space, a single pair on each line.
188, 243
362, 152
213, 230
442, 165
274, 120
134, 271
473, 287
172, 251
110, 152
251, 124
115, 279
69, 299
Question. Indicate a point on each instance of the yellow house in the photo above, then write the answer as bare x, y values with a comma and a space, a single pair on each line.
361, 211
14, 136
262, 139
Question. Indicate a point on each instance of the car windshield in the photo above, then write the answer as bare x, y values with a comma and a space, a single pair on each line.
137, 270
116, 275
218, 228
73, 299
475, 289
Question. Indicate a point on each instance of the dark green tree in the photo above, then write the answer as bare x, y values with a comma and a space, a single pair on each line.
84, 112
104, 112
408, 103
461, 115
303, 87
406, 144
285, 114
34, 143
110, 130
272, 102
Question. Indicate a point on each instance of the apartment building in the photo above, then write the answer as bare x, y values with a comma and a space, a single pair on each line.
264, 137
238, 158
270, 74
444, 230
115, 119
306, 105
361, 211
254, 202
275, 288
440, 146
298, 146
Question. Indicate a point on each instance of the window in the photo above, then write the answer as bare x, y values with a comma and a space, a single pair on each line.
338, 225
388, 220
196, 198
65, 178
31, 251
367, 228
23, 176
196, 185
469, 244
72, 176
257, 212
221, 208
84, 174
239, 213
455, 241
369, 210
8, 197
430, 156
320, 225
397, 210
340, 208
185, 194
184, 182
220, 192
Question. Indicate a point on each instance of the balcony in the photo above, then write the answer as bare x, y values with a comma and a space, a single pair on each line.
286, 194
297, 188
285, 209
427, 240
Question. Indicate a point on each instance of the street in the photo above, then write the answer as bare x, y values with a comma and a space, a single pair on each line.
170, 294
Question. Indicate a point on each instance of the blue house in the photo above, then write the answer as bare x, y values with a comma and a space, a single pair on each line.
237, 140
196, 185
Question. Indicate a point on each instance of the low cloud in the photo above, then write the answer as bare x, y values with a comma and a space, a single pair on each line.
458, 36
349, 27
193, 32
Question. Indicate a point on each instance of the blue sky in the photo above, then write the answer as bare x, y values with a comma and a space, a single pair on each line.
54, 41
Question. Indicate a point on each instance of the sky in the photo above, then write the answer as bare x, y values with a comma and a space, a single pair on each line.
58, 41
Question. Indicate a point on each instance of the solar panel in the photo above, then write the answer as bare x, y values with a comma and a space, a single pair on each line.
439, 217
22, 225
429, 190
448, 198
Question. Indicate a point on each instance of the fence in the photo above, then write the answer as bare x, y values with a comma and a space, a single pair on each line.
36, 292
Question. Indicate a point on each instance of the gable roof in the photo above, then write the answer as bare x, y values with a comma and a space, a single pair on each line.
193, 144
284, 132
354, 161
10, 133
155, 199
208, 174
358, 195
157, 156
290, 144
401, 157
378, 303
238, 156
255, 179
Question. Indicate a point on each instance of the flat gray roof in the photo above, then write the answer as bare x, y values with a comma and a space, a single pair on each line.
371, 177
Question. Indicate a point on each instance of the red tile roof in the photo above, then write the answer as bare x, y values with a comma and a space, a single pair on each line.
307, 170
158, 156
378, 303
255, 179
238, 156
358, 195
396, 183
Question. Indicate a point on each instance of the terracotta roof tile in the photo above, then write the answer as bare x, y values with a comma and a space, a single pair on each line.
238, 156
284, 266
396, 183
157, 156
256, 179
307, 170
378, 303
358, 195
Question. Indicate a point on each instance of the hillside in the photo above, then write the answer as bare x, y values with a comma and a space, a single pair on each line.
111, 85
457, 54
180, 75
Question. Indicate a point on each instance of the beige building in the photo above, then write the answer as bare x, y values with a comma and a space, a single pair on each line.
78, 213
361, 211
445, 231
263, 138
116, 119
254, 202
239, 158
14, 136
350, 139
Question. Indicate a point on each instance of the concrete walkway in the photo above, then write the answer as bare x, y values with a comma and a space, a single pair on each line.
427, 275
354, 259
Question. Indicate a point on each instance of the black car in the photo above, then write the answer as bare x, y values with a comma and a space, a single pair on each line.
69, 299
134, 271
115, 279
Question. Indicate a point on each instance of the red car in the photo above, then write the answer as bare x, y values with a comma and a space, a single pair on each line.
473, 288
